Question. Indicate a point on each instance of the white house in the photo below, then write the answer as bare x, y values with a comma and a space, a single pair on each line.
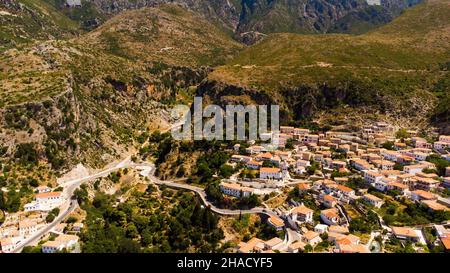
373, 200
52, 246
312, 238
27, 227
270, 173
302, 214
6, 245
372, 177
42, 189
276, 222
235, 190
321, 228
330, 216
48, 200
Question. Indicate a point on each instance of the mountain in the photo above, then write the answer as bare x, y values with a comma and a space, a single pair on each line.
399, 71
168, 34
87, 98
28, 20
241, 17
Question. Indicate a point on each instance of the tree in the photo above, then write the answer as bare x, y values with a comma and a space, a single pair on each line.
50, 217
402, 134
388, 145
308, 248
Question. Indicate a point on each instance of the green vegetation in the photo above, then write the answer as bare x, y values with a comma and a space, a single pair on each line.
23, 24
439, 162
410, 214
52, 215
146, 224
386, 68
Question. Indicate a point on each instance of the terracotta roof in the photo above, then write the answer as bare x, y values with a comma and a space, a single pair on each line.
330, 213
353, 248
344, 188
405, 232
303, 186
276, 221
48, 194
273, 242
338, 229
434, 205
446, 242
298, 245
329, 198
270, 170
373, 198
250, 245
424, 194
310, 235
302, 210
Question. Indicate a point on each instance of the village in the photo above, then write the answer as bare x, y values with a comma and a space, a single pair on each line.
37, 215
371, 191
338, 178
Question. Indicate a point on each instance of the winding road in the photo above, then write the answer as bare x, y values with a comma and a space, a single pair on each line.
202, 194
70, 205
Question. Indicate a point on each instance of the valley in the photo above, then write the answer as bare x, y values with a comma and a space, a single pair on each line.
94, 83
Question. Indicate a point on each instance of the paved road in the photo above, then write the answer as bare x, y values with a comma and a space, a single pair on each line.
202, 194
69, 205
37, 236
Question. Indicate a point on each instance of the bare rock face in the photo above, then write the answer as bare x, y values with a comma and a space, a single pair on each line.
267, 16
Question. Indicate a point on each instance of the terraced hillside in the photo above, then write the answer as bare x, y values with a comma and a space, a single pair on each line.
29, 20
401, 69
85, 99
168, 34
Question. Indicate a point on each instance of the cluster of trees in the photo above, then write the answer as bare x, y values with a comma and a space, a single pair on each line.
366, 224
52, 215
439, 162
26, 154
144, 224
413, 214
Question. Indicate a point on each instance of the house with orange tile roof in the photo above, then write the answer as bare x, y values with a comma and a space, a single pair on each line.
254, 165
329, 201
273, 244
330, 216
405, 233
432, 205
445, 241
402, 188
312, 238
27, 227
254, 245
276, 222
425, 183
372, 177
339, 229
352, 248
296, 247
270, 173
373, 200
6, 245
235, 190
419, 195
302, 214
45, 201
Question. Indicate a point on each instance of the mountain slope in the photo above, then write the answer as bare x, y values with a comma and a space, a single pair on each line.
87, 99
397, 68
241, 17
28, 20
168, 34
